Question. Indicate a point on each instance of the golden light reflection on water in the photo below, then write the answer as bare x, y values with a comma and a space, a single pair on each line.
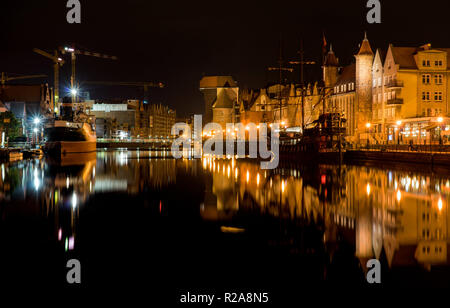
403, 213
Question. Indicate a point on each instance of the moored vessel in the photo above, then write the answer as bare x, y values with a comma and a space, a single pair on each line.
72, 132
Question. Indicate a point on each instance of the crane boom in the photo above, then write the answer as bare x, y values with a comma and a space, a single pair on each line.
73, 52
128, 83
54, 58
143, 84
5, 78
57, 62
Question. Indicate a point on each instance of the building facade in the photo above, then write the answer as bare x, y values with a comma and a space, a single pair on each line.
133, 119
221, 98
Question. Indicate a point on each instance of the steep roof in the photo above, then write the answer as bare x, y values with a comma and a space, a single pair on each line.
382, 54
365, 48
253, 99
217, 82
224, 100
404, 56
331, 59
347, 75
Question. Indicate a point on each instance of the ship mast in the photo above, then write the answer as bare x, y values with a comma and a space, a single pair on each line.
280, 69
302, 64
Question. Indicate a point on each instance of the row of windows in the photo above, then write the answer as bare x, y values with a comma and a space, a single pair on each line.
438, 96
377, 82
438, 78
430, 112
427, 235
388, 113
438, 63
437, 249
377, 98
344, 88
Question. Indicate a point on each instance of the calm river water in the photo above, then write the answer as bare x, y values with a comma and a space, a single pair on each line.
139, 217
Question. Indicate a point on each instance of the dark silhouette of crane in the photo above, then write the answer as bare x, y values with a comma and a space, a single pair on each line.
74, 52
5, 78
57, 63
142, 84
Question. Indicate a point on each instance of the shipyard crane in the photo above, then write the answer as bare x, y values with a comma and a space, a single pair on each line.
142, 84
5, 77
74, 52
57, 63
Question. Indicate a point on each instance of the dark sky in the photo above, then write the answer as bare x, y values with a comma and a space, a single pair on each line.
176, 42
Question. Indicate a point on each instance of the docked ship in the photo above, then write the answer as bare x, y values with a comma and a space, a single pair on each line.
323, 140
73, 131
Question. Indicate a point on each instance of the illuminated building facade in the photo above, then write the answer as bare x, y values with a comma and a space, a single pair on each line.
221, 97
412, 103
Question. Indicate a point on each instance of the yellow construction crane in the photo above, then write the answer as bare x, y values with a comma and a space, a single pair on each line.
5, 78
144, 84
73, 52
57, 63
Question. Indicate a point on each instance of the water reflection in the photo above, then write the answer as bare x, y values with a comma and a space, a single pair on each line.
403, 213
328, 212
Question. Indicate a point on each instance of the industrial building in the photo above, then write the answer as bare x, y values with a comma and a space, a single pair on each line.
133, 119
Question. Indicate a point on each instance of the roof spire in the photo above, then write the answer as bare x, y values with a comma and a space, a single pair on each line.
364, 48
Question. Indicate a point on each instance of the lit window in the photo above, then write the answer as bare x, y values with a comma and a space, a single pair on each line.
438, 96
438, 78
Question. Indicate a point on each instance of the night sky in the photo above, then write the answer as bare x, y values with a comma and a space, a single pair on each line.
177, 42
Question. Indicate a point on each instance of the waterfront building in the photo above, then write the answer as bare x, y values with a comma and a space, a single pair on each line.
412, 100
351, 94
221, 97
133, 119
393, 96
161, 119
281, 104
113, 119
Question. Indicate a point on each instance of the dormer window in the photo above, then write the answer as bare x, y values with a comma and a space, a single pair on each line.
426, 63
